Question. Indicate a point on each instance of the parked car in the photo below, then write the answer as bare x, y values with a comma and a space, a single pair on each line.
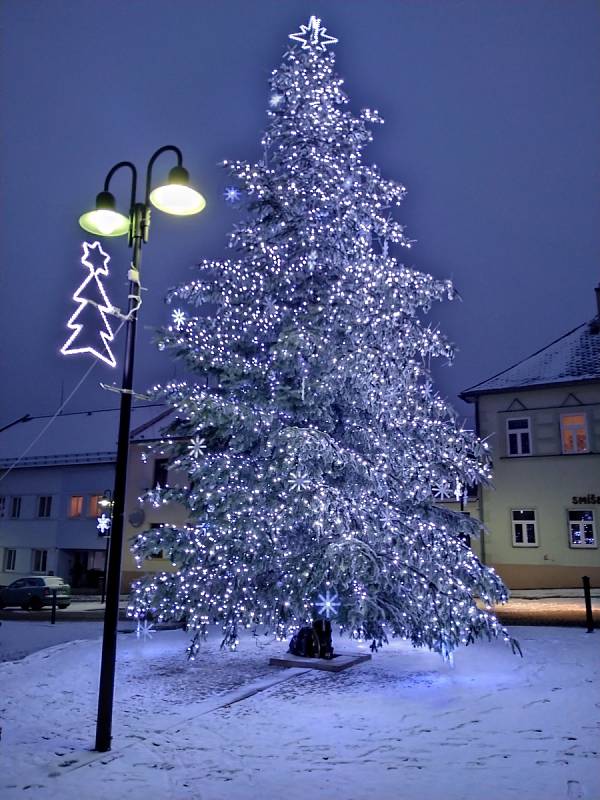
34, 592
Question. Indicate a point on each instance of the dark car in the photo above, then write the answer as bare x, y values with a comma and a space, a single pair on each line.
34, 592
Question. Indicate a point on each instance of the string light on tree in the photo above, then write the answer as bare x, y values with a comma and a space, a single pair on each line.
91, 329
324, 451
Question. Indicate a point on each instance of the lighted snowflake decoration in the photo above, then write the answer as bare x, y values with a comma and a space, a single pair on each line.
178, 319
388, 518
197, 447
299, 481
103, 524
144, 630
276, 100
442, 490
313, 35
270, 306
328, 604
232, 194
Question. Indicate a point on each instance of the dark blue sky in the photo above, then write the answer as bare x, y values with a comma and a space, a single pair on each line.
492, 112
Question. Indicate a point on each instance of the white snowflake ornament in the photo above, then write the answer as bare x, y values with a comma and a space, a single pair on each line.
144, 630
328, 604
197, 447
178, 319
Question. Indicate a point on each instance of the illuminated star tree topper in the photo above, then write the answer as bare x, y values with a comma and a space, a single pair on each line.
315, 451
91, 330
313, 35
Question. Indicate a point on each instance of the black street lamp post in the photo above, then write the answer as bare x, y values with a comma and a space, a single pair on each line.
175, 197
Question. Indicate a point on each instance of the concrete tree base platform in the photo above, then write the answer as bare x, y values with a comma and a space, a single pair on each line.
336, 664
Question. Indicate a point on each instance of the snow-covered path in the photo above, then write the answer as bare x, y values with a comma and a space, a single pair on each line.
404, 725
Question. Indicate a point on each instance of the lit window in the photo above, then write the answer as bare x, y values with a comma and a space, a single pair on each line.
573, 433
96, 509
10, 560
524, 528
39, 559
518, 437
44, 505
15, 507
76, 506
582, 531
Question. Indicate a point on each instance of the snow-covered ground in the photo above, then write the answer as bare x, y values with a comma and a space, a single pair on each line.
229, 727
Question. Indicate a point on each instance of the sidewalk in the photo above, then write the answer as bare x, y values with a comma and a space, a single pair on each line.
525, 607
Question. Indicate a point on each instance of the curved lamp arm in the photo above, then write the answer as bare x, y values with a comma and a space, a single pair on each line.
160, 151
133, 180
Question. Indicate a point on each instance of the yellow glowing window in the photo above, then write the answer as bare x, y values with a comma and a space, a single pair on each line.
95, 507
76, 506
573, 433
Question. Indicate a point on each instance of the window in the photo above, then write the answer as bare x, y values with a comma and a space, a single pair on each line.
160, 472
518, 437
2, 505
39, 559
44, 505
10, 560
581, 528
15, 507
76, 506
524, 530
573, 433
158, 551
95, 509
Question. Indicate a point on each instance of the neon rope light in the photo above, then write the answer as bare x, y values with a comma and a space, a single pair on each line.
90, 252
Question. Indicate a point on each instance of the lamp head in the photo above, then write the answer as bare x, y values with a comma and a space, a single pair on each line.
176, 196
105, 220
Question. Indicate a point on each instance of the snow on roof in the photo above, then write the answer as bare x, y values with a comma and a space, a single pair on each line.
573, 358
72, 438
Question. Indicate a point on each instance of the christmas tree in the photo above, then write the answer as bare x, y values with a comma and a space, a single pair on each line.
316, 449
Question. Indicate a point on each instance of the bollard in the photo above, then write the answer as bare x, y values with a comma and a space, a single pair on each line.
589, 619
53, 613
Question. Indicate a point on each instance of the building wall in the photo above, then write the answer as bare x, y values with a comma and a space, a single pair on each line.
57, 534
547, 481
140, 478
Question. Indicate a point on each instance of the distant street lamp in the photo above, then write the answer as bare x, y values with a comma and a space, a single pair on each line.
175, 197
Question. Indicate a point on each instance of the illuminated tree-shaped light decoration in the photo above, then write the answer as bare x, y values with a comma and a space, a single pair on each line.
91, 329
317, 450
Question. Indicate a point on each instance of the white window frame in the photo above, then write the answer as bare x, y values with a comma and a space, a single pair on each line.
524, 522
517, 433
16, 501
574, 428
43, 561
44, 500
10, 555
583, 545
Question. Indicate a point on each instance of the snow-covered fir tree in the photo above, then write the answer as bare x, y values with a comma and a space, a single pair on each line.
316, 450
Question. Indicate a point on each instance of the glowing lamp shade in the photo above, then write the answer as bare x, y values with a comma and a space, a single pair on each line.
105, 220
177, 196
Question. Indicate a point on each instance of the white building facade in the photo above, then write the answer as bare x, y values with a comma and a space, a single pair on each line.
50, 494
541, 418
